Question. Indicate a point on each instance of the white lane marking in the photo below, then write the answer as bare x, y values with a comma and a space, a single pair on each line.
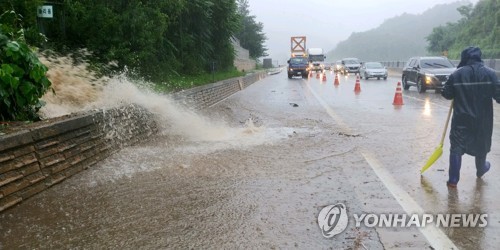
343, 126
435, 236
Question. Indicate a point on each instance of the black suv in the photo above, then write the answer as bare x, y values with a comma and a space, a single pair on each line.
427, 73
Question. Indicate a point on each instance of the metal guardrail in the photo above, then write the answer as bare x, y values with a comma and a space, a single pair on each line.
492, 63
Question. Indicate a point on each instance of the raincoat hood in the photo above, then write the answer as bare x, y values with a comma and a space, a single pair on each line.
469, 56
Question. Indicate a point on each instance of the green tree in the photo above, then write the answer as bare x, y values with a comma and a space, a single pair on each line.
225, 23
479, 26
22, 75
192, 33
27, 10
442, 38
153, 38
251, 33
129, 32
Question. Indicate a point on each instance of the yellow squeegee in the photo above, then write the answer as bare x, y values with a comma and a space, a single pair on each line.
439, 150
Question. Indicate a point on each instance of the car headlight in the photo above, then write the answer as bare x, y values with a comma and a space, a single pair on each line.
428, 78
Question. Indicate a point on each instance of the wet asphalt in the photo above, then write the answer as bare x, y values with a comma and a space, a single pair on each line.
317, 144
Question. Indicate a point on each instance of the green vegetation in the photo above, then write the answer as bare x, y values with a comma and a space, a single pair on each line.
156, 39
479, 26
250, 35
176, 44
22, 75
188, 81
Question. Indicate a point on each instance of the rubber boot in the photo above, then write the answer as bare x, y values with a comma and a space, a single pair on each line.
454, 170
482, 166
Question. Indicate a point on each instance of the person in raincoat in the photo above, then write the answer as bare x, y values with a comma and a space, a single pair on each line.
472, 87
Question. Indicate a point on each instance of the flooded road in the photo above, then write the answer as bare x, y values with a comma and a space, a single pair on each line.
294, 146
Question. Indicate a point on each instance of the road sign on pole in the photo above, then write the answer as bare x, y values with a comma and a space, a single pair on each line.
45, 11
298, 45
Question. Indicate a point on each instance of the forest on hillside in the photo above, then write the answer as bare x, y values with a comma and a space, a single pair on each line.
175, 44
479, 26
153, 38
398, 38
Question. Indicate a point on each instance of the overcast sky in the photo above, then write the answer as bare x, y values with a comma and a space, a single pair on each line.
326, 22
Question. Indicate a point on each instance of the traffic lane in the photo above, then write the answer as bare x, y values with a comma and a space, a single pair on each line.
404, 137
364, 184
473, 195
218, 194
263, 190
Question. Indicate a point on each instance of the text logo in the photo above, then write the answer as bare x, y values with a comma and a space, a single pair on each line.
332, 220
417, 220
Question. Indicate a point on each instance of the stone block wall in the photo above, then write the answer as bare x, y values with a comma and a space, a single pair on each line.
37, 156
40, 155
250, 79
208, 95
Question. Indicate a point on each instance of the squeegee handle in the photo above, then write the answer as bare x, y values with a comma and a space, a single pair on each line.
447, 121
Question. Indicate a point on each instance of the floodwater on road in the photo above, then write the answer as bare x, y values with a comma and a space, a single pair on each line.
295, 147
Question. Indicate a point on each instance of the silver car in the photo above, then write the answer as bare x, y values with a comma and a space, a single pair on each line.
372, 70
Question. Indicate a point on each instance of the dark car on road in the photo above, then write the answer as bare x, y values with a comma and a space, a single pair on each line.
298, 66
426, 73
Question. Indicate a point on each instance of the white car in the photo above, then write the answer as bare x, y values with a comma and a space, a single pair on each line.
372, 70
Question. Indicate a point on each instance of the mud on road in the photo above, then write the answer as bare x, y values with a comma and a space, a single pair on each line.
261, 189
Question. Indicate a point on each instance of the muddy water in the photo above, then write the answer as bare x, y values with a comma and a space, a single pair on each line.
253, 171
74, 85
76, 88
175, 193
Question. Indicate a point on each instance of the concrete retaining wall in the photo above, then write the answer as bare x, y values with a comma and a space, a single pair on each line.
207, 95
242, 60
37, 156
43, 154
244, 64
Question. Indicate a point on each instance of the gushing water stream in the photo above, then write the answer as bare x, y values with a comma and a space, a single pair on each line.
78, 89
203, 177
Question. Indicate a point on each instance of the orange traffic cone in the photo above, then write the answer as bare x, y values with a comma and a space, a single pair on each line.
310, 74
324, 77
317, 75
357, 87
398, 97
336, 81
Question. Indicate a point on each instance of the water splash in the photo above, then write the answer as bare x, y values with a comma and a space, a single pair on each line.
79, 89
172, 117
74, 84
183, 131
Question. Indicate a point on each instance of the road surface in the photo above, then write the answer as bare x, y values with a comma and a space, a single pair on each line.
226, 182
